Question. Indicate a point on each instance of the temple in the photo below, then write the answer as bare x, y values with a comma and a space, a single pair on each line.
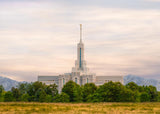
80, 74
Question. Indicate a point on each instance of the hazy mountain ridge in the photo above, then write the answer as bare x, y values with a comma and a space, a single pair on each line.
142, 81
9, 83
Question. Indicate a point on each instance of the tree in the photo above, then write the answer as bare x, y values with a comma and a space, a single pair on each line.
77, 94
33, 88
158, 96
95, 97
8, 97
144, 97
152, 91
63, 97
40, 95
24, 97
73, 90
1, 89
23, 88
16, 93
51, 90
110, 92
1, 93
88, 89
129, 96
48, 98
133, 86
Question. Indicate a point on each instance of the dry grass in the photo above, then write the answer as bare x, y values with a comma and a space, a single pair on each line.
79, 108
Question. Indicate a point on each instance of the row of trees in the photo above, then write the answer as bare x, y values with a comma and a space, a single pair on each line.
72, 92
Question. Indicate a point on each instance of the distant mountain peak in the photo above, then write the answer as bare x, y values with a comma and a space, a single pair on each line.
8, 83
142, 81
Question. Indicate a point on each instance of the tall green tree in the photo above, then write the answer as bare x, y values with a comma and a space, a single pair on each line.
1, 93
110, 92
51, 90
8, 97
88, 89
133, 86
49, 98
158, 96
73, 90
24, 97
153, 93
144, 97
16, 93
63, 97
33, 88
40, 95
23, 88
130, 96
1, 89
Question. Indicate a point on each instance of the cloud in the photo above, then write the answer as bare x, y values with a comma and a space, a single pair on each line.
38, 39
153, 0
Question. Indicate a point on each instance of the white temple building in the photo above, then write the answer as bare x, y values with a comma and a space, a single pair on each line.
80, 73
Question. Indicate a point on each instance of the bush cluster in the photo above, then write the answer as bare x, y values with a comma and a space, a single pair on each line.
72, 92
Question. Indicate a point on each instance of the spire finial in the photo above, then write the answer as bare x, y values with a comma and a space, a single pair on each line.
80, 33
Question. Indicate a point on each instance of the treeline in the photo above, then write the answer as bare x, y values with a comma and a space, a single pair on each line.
72, 92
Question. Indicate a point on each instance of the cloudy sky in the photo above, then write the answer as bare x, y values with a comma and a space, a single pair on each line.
39, 37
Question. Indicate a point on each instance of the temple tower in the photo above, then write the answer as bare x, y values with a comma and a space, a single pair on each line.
80, 63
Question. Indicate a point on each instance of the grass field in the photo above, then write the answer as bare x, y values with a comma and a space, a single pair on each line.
79, 108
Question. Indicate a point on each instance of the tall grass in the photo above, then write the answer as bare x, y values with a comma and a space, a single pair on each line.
79, 108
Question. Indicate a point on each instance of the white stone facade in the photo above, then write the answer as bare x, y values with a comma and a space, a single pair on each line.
80, 73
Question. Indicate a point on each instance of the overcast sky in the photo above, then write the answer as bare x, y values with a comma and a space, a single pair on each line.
39, 37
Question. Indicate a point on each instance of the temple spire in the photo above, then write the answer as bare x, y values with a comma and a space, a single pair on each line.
80, 33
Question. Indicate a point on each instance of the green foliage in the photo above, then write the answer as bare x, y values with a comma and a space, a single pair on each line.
1, 89
34, 87
158, 96
130, 96
51, 89
95, 97
1, 93
1, 97
110, 92
152, 91
73, 90
8, 97
144, 97
23, 88
24, 97
48, 98
40, 95
16, 93
63, 97
88, 89
132, 86
77, 94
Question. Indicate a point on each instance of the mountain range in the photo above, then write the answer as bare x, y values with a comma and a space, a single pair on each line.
9, 83
142, 81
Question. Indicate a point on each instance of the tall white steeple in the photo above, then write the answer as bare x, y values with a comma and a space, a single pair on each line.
80, 51
80, 33
80, 63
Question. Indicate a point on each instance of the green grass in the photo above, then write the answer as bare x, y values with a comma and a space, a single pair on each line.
79, 108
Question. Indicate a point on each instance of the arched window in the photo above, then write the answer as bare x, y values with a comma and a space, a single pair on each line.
63, 81
87, 80
76, 80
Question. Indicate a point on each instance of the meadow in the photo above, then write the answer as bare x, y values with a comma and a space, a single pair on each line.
79, 108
